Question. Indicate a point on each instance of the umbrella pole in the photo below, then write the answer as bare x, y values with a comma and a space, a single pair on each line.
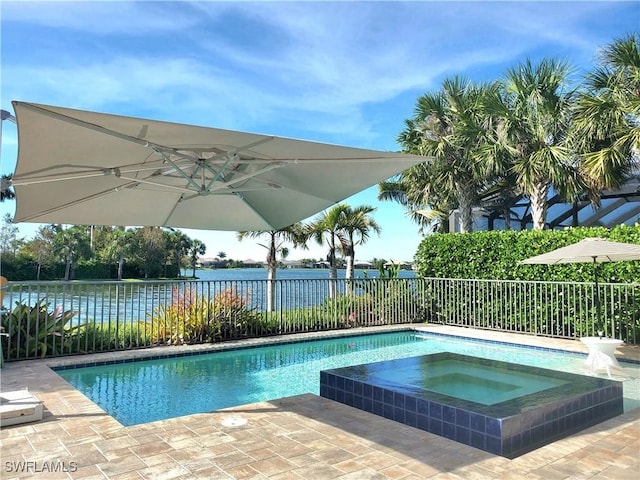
598, 315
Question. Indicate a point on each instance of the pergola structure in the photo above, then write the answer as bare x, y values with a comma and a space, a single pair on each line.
616, 207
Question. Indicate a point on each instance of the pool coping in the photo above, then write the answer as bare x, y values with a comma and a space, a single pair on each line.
161, 352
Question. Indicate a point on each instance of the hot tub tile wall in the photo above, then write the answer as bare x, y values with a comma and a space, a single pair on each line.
506, 436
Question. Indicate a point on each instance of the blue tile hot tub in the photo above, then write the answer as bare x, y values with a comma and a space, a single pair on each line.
499, 407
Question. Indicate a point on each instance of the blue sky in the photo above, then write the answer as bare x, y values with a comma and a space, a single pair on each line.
347, 73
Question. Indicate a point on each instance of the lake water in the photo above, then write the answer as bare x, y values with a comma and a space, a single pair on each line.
282, 274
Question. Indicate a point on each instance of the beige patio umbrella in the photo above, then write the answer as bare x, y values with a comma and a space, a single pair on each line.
87, 168
589, 250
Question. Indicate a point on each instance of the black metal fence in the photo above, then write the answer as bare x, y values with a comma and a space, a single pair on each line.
65, 318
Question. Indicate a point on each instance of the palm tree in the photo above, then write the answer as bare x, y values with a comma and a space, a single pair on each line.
195, 248
328, 228
71, 244
178, 244
606, 129
533, 114
117, 247
448, 126
357, 227
427, 206
275, 245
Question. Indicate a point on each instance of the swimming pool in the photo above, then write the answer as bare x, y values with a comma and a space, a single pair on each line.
145, 391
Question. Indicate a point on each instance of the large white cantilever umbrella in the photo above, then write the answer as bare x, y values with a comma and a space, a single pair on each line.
589, 250
88, 168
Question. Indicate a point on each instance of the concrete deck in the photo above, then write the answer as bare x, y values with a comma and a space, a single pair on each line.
303, 437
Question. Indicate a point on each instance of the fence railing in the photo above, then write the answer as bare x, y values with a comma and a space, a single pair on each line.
554, 309
65, 318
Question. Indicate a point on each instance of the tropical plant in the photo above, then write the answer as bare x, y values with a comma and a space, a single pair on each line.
189, 318
38, 331
195, 318
532, 114
606, 128
275, 245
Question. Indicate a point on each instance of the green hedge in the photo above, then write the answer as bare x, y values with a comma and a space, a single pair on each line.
495, 255
20, 269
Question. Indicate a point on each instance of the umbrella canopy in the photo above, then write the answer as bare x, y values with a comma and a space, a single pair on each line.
588, 250
88, 168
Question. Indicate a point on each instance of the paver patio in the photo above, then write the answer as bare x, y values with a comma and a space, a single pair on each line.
302, 437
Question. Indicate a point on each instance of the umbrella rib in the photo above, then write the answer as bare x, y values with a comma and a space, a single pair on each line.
165, 223
247, 176
233, 191
253, 209
177, 168
156, 184
31, 178
218, 175
254, 144
24, 180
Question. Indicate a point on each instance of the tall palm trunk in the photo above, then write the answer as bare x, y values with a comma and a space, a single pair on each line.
272, 265
465, 205
121, 266
538, 199
349, 272
333, 268
507, 219
67, 270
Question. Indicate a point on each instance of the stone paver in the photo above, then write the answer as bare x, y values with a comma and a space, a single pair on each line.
302, 437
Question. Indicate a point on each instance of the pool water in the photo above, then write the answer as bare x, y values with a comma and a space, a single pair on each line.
145, 391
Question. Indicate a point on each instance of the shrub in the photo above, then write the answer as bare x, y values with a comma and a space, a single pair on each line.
495, 255
196, 318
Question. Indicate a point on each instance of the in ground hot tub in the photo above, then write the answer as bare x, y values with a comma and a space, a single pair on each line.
499, 407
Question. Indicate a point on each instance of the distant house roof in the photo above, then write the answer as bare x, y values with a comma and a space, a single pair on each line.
250, 261
359, 263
